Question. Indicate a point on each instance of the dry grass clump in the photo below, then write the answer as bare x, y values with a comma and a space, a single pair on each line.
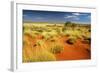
37, 53
71, 40
39, 56
44, 56
55, 49
87, 41
41, 53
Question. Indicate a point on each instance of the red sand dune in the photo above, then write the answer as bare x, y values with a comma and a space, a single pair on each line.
77, 51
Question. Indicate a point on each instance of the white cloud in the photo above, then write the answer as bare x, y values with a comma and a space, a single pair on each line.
73, 17
78, 14
70, 16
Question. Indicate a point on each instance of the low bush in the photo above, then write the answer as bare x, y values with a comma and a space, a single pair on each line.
71, 40
87, 41
55, 49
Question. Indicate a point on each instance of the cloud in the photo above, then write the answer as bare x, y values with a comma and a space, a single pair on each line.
78, 14
72, 17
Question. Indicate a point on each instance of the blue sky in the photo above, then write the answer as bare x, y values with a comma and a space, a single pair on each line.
56, 17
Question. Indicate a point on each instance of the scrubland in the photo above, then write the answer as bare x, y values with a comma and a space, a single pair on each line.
56, 42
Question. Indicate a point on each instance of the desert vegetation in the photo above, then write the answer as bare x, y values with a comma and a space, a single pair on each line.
56, 42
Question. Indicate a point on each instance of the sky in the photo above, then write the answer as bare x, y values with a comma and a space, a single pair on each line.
56, 17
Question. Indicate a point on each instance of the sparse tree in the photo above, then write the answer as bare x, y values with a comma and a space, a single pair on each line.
67, 23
